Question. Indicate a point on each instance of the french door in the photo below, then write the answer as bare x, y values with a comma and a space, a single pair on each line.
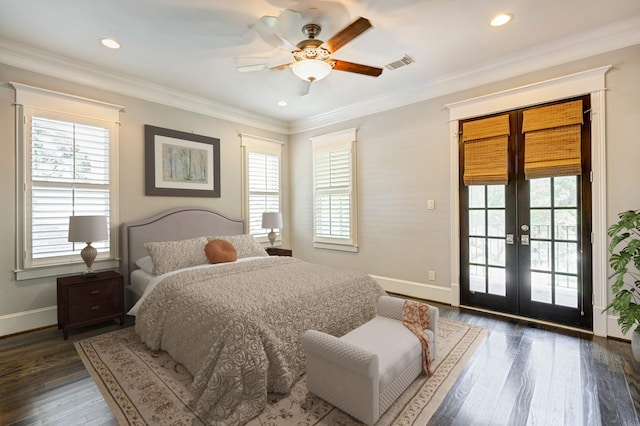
526, 244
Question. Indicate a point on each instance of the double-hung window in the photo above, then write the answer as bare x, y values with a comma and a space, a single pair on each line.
262, 170
66, 151
335, 197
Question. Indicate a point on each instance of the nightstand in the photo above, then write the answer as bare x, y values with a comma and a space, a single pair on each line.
277, 251
84, 301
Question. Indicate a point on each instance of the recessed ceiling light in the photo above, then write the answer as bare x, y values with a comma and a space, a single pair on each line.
110, 43
282, 103
501, 19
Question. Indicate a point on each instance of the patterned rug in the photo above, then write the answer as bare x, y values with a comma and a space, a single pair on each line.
146, 387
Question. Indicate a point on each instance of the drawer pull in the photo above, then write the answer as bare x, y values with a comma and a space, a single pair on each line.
95, 307
94, 292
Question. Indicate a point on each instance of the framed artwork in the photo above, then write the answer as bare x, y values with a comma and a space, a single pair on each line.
181, 164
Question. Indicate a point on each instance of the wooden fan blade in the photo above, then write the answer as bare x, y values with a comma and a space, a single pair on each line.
347, 34
306, 87
281, 67
251, 68
265, 30
357, 68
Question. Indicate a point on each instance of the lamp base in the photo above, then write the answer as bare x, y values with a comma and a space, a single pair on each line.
272, 237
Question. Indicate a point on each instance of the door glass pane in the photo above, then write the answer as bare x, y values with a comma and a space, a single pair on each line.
477, 250
567, 291
566, 257
540, 192
566, 222
496, 223
476, 223
497, 282
477, 278
565, 191
541, 224
497, 249
541, 255
476, 196
495, 196
541, 287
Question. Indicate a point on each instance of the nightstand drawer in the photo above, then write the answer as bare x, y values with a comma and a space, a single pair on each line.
94, 310
92, 292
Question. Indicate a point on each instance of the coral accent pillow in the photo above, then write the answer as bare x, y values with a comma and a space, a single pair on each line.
220, 251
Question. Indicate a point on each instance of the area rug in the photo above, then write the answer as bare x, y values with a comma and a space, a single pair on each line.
145, 387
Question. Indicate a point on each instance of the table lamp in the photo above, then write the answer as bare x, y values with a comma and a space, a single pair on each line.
88, 229
272, 220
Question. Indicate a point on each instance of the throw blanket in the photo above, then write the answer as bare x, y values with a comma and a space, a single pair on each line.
238, 327
415, 316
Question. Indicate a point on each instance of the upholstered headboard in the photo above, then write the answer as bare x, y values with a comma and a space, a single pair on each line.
171, 225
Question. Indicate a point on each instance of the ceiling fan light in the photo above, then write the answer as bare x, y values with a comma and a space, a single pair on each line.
311, 69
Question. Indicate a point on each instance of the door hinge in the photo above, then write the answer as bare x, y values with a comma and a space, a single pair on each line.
592, 238
591, 176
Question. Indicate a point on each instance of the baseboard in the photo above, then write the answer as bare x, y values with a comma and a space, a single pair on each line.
28, 320
414, 289
613, 329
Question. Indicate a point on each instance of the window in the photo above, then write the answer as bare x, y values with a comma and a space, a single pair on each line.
66, 149
334, 184
262, 181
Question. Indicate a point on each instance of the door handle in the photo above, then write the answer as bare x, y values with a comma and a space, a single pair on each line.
524, 227
524, 240
509, 238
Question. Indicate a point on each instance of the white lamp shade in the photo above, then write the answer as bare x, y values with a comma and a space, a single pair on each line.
311, 69
272, 220
87, 229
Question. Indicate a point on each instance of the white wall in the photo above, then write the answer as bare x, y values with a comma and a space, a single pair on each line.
32, 303
403, 160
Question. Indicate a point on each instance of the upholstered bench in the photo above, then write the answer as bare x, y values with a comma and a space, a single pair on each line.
364, 371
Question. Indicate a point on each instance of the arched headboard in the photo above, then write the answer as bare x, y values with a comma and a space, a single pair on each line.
171, 225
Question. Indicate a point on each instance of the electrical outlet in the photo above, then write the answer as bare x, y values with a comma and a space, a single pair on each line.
431, 204
432, 275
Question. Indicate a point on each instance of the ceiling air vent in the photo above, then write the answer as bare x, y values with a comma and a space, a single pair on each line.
400, 62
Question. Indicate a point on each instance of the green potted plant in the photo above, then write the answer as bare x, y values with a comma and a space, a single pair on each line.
624, 259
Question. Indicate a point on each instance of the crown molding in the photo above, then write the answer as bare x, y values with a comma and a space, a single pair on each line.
622, 34
36, 60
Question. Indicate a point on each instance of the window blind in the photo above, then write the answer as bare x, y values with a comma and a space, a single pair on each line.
332, 171
264, 189
335, 191
485, 150
553, 140
69, 176
262, 186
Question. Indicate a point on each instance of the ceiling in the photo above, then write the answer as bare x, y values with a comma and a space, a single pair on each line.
191, 48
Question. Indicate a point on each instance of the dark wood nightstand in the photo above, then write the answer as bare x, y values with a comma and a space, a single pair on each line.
84, 301
277, 251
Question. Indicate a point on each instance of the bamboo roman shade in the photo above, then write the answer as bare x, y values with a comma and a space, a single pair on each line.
553, 140
486, 146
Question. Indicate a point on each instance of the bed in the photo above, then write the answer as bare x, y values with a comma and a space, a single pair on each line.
238, 326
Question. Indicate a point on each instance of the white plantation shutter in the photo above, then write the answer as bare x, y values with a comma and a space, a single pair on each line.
334, 191
66, 151
263, 187
69, 176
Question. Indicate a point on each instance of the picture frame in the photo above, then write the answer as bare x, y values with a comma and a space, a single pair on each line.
181, 164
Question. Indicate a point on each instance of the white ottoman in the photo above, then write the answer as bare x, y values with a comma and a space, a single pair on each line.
364, 371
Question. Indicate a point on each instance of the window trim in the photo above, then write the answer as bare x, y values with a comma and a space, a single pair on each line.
28, 100
260, 145
341, 138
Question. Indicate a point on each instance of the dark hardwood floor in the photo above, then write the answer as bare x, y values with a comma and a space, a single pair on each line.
522, 374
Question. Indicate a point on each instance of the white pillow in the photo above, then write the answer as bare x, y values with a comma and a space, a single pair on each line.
246, 245
146, 264
168, 256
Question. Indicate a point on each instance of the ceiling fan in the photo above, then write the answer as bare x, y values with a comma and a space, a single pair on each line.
312, 57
